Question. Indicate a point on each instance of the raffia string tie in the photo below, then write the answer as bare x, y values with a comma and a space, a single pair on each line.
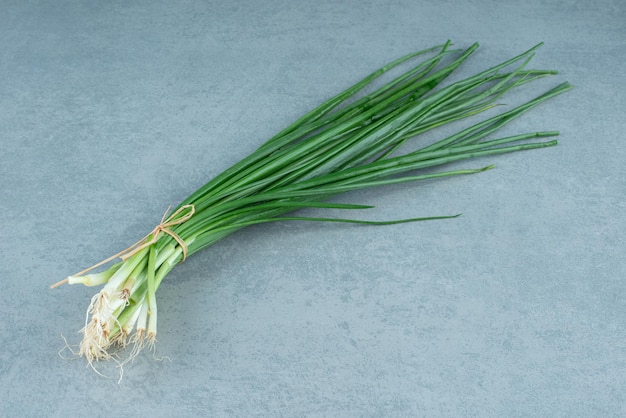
167, 222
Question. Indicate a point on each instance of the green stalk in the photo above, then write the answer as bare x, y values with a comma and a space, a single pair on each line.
152, 287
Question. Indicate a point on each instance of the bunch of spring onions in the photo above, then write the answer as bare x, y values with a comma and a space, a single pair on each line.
350, 142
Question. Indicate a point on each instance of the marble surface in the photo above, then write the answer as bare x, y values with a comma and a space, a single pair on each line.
111, 111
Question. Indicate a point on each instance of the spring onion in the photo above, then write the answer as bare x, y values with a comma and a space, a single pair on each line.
352, 141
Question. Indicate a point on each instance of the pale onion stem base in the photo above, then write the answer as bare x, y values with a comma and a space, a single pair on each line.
100, 342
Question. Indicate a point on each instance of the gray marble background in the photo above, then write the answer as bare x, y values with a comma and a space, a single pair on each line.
111, 111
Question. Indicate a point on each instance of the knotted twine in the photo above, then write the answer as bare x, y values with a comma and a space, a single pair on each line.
167, 222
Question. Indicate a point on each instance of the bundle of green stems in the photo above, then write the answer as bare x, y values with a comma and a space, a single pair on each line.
350, 142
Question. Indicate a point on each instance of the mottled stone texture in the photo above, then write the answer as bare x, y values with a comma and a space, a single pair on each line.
111, 111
